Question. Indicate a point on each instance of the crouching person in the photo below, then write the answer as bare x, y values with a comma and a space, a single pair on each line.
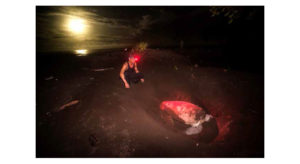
129, 72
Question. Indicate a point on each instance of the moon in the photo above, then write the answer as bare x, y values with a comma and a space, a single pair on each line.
76, 25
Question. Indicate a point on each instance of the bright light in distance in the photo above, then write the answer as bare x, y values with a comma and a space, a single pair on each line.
76, 25
82, 52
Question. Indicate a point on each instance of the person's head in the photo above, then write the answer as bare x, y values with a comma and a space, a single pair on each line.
131, 59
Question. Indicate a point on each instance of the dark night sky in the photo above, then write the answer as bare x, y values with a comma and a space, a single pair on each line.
114, 27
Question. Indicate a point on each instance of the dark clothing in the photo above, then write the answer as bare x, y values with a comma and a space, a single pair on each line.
129, 69
131, 76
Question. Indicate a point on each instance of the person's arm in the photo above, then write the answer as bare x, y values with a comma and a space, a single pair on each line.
124, 67
135, 67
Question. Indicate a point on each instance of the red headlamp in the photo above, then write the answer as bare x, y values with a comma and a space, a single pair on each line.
136, 58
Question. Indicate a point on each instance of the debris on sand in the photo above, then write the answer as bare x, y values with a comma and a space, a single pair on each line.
49, 114
123, 108
224, 128
84, 68
49, 78
193, 76
175, 67
102, 69
93, 140
69, 104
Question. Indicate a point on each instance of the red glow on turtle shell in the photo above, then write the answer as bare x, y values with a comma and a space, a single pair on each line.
179, 106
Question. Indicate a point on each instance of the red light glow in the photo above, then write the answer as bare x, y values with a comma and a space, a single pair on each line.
183, 110
136, 58
178, 106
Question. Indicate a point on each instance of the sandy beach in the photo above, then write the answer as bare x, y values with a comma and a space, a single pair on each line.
83, 109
